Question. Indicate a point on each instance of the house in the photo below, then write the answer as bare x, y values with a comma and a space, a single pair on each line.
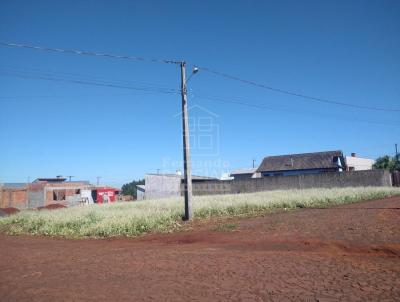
45, 191
167, 185
42, 192
246, 173
304, 163
354, 163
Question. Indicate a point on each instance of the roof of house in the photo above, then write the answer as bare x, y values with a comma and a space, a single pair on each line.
300, 161
13, 185
51, 179
141, 187
244, 171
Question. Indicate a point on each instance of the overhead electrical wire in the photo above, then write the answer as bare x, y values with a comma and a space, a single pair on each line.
263, 107
312, 98
151, 89
83, 79
89, 53
84, 82
212, 71
76, 75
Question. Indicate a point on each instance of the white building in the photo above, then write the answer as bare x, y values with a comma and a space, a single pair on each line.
355, 163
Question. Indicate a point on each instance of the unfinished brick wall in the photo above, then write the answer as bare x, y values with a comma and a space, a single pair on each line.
11, 197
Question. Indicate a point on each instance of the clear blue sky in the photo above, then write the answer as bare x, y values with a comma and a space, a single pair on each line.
346, 51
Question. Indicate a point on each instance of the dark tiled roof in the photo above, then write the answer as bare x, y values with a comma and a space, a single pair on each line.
299, 161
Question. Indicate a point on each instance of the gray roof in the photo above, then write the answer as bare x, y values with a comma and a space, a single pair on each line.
300, 161
141, 187
244, 171
13, 185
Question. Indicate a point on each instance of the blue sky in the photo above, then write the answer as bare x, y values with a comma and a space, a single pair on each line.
347, 51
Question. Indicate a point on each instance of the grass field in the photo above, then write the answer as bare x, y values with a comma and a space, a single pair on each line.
135, 218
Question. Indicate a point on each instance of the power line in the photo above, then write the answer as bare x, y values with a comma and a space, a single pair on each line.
83, 82
75, 75
88, 53
86, 78
315, 99
215, 72
257, 106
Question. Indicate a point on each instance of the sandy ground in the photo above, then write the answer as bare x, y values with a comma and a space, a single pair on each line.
348, 253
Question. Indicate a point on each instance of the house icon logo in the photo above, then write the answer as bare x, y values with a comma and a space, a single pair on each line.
204, 131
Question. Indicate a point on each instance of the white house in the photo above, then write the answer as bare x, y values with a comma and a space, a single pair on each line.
355, 163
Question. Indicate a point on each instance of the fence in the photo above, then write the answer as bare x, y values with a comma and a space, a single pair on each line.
323, 180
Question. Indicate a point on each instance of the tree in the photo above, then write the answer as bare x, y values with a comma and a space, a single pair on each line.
387, 163
131, 189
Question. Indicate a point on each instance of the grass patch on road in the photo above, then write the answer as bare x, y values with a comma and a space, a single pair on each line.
154, 216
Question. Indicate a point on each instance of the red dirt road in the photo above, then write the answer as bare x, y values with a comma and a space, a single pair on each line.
349, 253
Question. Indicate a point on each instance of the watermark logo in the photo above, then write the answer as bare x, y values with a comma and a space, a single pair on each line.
204, 132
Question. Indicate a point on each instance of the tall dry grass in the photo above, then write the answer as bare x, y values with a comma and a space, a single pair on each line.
135, 218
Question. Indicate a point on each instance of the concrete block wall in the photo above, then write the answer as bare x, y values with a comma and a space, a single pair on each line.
161, 186
323, 180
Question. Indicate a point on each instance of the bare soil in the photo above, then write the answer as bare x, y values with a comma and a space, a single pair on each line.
8, 211
52, 206
347, 253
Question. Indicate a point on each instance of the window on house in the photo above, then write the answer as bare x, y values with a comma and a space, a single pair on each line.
59, 195
78, 191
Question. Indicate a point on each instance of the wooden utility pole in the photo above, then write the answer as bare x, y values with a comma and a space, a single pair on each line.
186, 148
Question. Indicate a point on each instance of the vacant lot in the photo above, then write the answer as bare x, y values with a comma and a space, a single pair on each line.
133, 219
349, 253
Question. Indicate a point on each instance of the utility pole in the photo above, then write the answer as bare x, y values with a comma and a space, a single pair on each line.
70, 177
397, 154
186, 148
98, 180
254, 161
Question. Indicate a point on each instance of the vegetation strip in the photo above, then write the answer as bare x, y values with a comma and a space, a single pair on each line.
135, 218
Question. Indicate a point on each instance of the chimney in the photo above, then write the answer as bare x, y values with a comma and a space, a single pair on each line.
353, 154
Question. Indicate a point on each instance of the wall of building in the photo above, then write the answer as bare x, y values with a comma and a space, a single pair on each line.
304, 181
359, 163
161, 186
140, 194
12, 197
41, 194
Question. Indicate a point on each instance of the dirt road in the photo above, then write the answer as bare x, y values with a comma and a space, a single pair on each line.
349, 253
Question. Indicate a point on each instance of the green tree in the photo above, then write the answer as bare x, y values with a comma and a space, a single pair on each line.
387, 163
130, 188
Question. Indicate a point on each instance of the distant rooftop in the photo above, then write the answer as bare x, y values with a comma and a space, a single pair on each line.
244, 171
15, 185
51, 179
300, 161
